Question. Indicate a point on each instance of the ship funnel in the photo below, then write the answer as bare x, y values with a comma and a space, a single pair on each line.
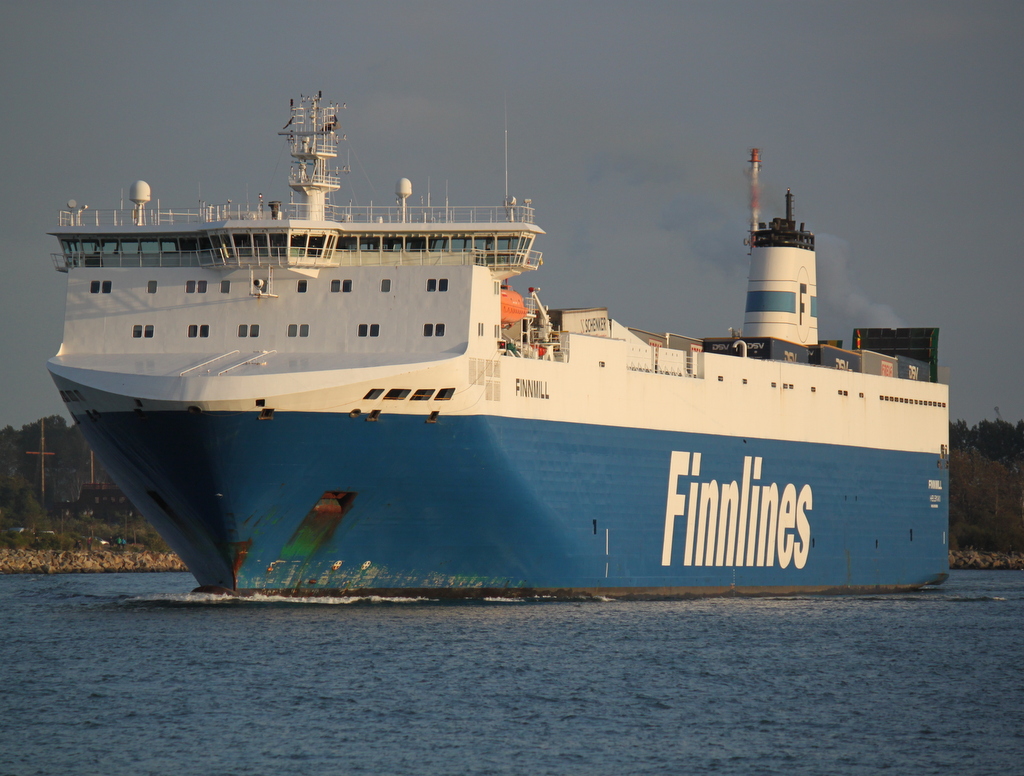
782, 290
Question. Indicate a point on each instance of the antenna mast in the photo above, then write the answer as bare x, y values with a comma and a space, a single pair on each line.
506, 151
755, 189
313, 141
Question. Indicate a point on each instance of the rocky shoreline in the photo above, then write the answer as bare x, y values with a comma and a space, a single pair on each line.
986, 561
79, 562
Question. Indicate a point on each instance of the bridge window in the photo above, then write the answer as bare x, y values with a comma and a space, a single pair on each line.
462, 243
392, 244
278, 244
438, 243
369, 243
347, 243
415, 243
259, 244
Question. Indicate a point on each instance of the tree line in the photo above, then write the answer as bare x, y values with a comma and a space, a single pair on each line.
43, 466
986, 485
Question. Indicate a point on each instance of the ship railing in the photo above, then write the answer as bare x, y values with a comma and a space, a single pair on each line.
369, 214
419, 214
234, 258
300, 175
85, 217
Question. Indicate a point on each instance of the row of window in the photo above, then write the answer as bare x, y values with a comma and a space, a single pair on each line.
421, 394
301, 286
294, 330
921, 402
278, 244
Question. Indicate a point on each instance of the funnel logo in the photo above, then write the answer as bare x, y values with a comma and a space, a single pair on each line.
736, 524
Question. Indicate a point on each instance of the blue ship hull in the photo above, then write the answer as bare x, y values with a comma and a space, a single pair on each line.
470, 506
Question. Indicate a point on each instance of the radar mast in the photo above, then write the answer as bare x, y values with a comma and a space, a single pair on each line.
313, 140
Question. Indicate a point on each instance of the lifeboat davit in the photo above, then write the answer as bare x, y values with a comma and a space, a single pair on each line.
513, 309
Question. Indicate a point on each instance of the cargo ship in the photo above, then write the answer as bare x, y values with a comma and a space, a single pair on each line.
311, 399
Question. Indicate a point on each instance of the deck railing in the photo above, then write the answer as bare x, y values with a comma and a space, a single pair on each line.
368, 214
230, 258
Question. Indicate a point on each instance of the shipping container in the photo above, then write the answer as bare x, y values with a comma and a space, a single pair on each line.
689, 344
766, 348
913, 369
873, 363
589, 320
834, 358
652, 339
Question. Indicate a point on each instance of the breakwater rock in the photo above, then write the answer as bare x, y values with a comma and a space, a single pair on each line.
987, 561
57, 562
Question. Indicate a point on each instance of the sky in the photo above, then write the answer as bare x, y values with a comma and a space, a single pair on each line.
897, 125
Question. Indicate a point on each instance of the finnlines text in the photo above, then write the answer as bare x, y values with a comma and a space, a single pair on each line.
736, 524
532, 389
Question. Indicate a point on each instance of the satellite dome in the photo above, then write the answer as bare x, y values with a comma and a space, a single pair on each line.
403, 188
139, 193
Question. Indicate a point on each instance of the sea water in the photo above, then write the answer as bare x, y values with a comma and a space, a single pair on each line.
132, 674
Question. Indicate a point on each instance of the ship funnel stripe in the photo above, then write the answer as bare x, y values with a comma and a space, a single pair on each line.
771, 302
738, 523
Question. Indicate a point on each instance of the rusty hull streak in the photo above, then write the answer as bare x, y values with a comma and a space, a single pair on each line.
239, 551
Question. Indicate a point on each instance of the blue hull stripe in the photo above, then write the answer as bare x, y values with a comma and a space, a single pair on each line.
485, 503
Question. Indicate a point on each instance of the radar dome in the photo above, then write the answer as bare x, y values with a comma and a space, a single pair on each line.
403, 188
139, 193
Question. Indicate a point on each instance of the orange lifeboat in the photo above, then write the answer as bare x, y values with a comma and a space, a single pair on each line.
513, 309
